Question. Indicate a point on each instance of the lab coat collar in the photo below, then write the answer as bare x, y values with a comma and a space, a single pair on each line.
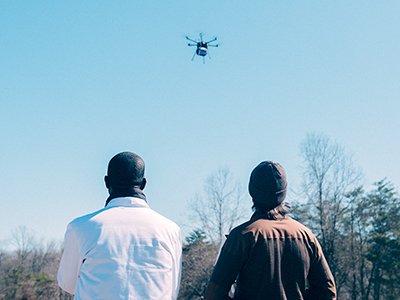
127, 202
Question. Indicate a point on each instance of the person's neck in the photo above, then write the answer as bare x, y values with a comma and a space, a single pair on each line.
134, 191
272, 214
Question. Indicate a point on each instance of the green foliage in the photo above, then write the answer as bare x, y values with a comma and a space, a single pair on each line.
371, 242
384, 240
197, 236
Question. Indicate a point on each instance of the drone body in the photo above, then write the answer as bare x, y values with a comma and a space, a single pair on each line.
201, 46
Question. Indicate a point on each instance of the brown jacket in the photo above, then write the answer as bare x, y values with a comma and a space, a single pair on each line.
272, 259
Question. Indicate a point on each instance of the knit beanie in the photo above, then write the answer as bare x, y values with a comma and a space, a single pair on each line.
267, 185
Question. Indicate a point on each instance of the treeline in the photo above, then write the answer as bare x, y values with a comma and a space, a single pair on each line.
29, 271
358, 228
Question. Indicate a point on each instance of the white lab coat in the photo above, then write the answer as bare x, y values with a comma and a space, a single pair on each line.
123, 251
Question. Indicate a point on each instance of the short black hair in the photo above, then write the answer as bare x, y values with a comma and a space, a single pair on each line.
126, 169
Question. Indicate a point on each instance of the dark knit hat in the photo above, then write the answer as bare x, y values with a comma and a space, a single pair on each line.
267, 185
126, 169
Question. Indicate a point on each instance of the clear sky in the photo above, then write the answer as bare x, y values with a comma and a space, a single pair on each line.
83, 80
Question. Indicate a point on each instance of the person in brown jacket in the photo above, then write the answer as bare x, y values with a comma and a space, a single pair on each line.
271, 256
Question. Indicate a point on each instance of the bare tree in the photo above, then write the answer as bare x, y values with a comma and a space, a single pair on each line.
23, 240
329, 175
220, 207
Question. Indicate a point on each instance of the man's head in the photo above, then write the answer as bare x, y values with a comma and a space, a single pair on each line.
267, 185
125, 171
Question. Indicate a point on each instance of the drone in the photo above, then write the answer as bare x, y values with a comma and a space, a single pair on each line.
201, 46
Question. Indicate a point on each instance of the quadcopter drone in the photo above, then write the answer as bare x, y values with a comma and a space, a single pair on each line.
201, 46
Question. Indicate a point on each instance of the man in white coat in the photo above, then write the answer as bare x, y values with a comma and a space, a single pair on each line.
124, 250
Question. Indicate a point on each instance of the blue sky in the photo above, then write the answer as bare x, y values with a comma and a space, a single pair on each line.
82, 81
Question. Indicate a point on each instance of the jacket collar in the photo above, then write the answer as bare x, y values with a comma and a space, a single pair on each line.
257, 215
127, 202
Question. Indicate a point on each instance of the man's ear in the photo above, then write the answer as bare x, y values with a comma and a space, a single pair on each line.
143, 184
107, 181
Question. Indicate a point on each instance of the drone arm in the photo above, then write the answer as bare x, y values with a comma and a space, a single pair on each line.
192, 45
210, 41
213, 45
189, 39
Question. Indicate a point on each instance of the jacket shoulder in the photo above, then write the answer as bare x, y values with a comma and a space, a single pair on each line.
164, 220
78, 221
